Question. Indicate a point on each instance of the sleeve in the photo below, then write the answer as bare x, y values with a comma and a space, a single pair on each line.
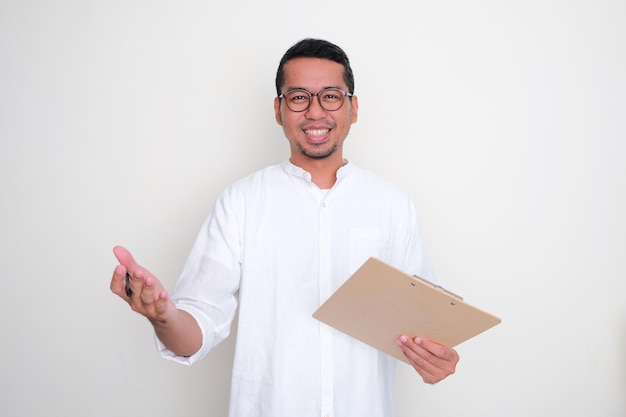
415, 258
208, 285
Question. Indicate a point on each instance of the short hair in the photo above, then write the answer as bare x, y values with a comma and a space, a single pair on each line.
315, 48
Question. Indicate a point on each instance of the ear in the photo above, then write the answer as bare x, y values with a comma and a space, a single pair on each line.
279, 118
355, 109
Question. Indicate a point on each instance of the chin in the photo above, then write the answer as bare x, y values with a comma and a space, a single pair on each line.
320, 154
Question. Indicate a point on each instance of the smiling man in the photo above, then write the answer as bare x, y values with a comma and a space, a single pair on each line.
316, 124
276, 245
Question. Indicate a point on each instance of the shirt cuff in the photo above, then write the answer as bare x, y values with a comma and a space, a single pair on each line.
184, 360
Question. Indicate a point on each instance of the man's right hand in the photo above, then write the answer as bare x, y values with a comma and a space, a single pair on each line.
149, 298
177, 329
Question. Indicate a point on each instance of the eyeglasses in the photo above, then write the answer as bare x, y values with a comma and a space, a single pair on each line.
299, 99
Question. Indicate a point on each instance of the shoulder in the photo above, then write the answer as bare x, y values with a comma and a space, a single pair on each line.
374, 183
255, 180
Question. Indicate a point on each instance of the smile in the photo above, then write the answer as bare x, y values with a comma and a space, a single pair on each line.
316, 132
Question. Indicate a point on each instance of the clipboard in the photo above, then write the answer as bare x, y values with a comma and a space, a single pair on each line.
379, 302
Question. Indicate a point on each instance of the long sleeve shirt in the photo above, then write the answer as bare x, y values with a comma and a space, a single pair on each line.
275, 247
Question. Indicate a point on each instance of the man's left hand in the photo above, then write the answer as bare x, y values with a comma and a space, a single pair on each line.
431, 360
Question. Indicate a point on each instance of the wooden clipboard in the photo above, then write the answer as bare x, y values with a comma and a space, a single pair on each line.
378, 303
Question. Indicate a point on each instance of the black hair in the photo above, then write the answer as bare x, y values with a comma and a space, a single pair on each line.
315, 48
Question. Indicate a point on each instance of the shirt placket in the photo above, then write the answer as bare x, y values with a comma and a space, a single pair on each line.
324, 291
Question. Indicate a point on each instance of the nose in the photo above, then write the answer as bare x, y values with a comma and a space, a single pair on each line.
315, 110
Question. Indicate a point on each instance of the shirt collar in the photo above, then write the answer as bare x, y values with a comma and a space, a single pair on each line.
296, 171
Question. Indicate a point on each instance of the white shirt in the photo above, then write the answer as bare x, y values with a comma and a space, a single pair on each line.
276, 247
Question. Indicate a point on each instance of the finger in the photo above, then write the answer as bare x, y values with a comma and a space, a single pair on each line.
431, 367
127, 260
150, 299
132, 286
124, 256
437, 350
427, 376
417, 362
162, 303
147, 292
117, 281
413, 351
160, 309
440, 360
432, 352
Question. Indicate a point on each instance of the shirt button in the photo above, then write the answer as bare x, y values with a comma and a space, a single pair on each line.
324, 204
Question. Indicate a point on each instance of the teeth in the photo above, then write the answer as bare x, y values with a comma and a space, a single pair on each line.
316, 132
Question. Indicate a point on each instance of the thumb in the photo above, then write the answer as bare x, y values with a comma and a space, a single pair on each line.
124, 257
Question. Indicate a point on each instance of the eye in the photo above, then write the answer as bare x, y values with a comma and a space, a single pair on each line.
331, 96
298, 97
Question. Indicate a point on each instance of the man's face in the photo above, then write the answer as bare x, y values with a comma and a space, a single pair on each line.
315, 133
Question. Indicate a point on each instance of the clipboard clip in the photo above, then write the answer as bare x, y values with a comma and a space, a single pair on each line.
439, 287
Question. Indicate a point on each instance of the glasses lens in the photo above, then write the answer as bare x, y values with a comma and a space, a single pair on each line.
331, 98
298, 100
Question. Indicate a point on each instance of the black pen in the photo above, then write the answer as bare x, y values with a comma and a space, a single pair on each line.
127, 279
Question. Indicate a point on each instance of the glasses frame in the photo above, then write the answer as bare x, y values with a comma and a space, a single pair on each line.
319, 100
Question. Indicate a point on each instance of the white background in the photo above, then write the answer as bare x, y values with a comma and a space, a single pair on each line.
121, 121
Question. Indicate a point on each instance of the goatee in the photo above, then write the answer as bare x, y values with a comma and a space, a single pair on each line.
318, 155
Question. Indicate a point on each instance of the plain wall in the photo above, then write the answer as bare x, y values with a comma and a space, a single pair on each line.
121, 121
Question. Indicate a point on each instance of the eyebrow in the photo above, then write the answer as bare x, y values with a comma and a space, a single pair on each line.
321, 89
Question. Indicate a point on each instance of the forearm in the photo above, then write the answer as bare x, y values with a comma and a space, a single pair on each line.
180, 334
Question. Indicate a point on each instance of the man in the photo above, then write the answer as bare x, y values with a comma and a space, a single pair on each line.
276, 245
